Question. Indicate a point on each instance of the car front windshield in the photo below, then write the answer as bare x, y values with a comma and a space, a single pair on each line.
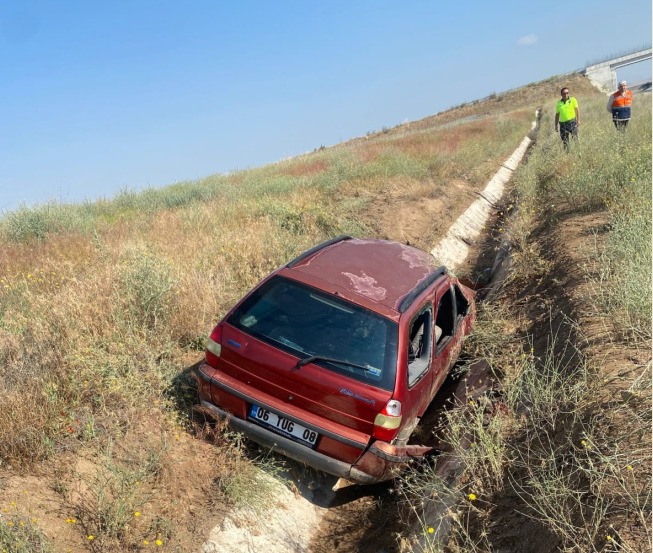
306, 322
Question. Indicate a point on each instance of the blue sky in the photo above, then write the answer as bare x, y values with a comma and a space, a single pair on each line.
101, 96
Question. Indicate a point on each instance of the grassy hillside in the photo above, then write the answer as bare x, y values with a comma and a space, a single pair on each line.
105, 306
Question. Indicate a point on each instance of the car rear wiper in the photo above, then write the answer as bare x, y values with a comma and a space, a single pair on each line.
312, 358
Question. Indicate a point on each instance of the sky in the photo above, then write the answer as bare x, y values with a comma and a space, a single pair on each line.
103, 96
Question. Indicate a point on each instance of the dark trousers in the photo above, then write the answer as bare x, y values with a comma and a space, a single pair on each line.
620, 117
620, 124
567, 129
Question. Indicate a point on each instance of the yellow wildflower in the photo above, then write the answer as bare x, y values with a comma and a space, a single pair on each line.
431, 530
91, 538
137, 514
472, 496
159, 543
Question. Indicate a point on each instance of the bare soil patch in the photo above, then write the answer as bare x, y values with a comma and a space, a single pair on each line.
179, 508
419, 218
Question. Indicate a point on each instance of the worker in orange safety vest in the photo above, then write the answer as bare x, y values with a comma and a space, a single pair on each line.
619, 105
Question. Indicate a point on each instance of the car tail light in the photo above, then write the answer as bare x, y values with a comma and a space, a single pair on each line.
387, 421
214, 346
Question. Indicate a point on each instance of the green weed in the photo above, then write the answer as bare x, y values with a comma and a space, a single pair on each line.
251, 483
20, 534
145, 285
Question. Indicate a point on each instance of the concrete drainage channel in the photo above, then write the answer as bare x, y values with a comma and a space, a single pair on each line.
454, 247
286, 523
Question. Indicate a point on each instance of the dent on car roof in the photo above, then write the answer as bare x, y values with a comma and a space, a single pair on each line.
379, 270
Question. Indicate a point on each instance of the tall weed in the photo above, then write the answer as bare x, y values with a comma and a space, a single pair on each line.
145, 284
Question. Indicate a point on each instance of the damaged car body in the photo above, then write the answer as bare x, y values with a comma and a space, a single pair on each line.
333, 358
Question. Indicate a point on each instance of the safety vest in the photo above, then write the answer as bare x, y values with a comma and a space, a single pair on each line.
621, 104
621, 101
567, 109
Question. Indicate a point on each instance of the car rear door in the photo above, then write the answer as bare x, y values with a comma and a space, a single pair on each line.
311, 387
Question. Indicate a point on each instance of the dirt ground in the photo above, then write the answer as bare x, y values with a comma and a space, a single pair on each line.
57, 496
420, 222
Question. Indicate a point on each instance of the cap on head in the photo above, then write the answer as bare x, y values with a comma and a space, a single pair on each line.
623, 83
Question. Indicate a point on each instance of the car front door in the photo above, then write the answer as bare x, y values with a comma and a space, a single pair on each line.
447, 337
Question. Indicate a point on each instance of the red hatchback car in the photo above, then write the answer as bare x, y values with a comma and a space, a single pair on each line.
333, 358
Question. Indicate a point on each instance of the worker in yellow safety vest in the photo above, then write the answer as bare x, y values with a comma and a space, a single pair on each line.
567, 116
619, 105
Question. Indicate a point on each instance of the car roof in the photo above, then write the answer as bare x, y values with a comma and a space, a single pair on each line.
369, 272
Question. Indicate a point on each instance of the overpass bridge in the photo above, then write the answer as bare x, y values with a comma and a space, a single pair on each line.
604, 74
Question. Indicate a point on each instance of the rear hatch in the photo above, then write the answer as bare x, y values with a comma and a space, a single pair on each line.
330, 362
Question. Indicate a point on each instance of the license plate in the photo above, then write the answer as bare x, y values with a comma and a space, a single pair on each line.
283, 426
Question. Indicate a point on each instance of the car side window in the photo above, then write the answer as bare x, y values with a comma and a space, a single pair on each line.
420, 344
445, 322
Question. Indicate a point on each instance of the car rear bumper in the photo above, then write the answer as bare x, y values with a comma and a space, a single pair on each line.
292, 449
377, 462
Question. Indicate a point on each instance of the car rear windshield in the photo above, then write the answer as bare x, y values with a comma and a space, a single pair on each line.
309, 323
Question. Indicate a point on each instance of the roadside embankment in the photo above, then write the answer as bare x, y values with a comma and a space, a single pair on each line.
290, 523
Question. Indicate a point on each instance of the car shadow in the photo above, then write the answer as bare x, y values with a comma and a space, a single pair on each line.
183, 393
320, 488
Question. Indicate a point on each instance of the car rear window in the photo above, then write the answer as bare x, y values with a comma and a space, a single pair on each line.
307, 322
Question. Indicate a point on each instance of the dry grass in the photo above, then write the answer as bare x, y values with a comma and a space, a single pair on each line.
105, 307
